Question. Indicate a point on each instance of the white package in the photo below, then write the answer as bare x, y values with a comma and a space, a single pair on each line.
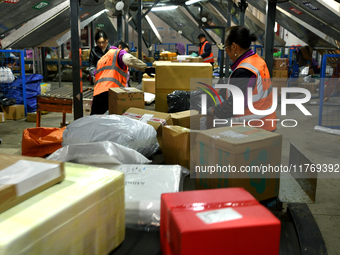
114, 128
98, 152
144, 185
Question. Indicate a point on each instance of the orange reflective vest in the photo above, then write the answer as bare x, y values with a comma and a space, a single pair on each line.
262, 96
208, 59
109, 74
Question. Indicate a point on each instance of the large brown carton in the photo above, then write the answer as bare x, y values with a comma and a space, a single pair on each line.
312, 87
195, 59
155, 119
121, 99
23, 182
177, 76
176, 145
149, 85
280, 73
189, 119
14, 112
242, 149
280, 63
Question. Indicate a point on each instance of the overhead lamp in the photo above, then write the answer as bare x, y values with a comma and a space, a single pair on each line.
164, 8
191, 2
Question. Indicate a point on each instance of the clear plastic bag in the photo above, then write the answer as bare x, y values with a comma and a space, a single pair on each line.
98, 153
114, 128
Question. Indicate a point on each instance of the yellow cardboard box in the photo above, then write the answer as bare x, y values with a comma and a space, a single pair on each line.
189, 119
177, 76
280, 63
31, 117
242, 149
121, 99
149, 85
280, 73
176, 145
14, 112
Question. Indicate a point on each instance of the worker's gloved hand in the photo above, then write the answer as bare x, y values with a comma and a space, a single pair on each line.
150, 71
193, 55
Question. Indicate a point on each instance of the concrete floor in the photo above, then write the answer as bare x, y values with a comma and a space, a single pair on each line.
319, 147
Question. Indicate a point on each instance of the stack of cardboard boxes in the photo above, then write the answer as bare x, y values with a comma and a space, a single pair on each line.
280, 73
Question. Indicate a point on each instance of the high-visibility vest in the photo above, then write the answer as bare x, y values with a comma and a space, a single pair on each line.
109, 74
262, 96
208, 59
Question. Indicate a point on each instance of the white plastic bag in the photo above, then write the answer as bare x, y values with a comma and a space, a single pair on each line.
114, 128
6, 75
104, 154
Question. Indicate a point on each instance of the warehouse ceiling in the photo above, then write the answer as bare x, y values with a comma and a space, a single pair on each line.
310, 21
313, 38
45, 28
12, 15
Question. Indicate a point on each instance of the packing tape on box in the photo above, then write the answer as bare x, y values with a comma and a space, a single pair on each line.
145, 118
210, 206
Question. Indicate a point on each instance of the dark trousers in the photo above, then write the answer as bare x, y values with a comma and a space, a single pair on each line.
100, 103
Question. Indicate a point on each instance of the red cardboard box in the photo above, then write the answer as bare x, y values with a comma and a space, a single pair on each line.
217, 221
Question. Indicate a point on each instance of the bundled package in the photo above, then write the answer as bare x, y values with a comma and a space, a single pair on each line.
144, 185
114, 128
104, 153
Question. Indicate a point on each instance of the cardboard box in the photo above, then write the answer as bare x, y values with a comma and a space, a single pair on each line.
155, 119
312, 87
176, 146
160, 62
180, 61
149, 85
85, 54
40, 174
189, 119
195, 59
279, 83
121, 99
238, 147
149, 59
2, 117
177, 76
210, 218
31, 117
280, 73
14, 112
280, 63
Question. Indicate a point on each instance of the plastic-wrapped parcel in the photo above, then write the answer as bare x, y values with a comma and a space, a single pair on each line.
114, 128
98, 153
144, 185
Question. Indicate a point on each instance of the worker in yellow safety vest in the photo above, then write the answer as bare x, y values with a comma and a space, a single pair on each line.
205, 50
250, 73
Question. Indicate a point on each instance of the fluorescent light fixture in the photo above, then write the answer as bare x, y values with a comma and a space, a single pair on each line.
164, 8
106, 10
154, 29
191, 2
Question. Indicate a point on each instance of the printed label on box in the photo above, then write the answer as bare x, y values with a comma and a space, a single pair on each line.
132, 169
29, 175
220, 215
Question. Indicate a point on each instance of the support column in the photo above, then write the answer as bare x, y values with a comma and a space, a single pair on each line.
76, 61
44, 67
243, 6
269, 42
126, 32
139, 31
119, 27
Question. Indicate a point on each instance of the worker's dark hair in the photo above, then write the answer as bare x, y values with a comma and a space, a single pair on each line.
100, 34
241, 36
122, 44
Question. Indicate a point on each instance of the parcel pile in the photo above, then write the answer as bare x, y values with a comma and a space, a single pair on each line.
106, 180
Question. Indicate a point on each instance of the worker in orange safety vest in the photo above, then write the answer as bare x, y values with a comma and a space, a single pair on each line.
205, 50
